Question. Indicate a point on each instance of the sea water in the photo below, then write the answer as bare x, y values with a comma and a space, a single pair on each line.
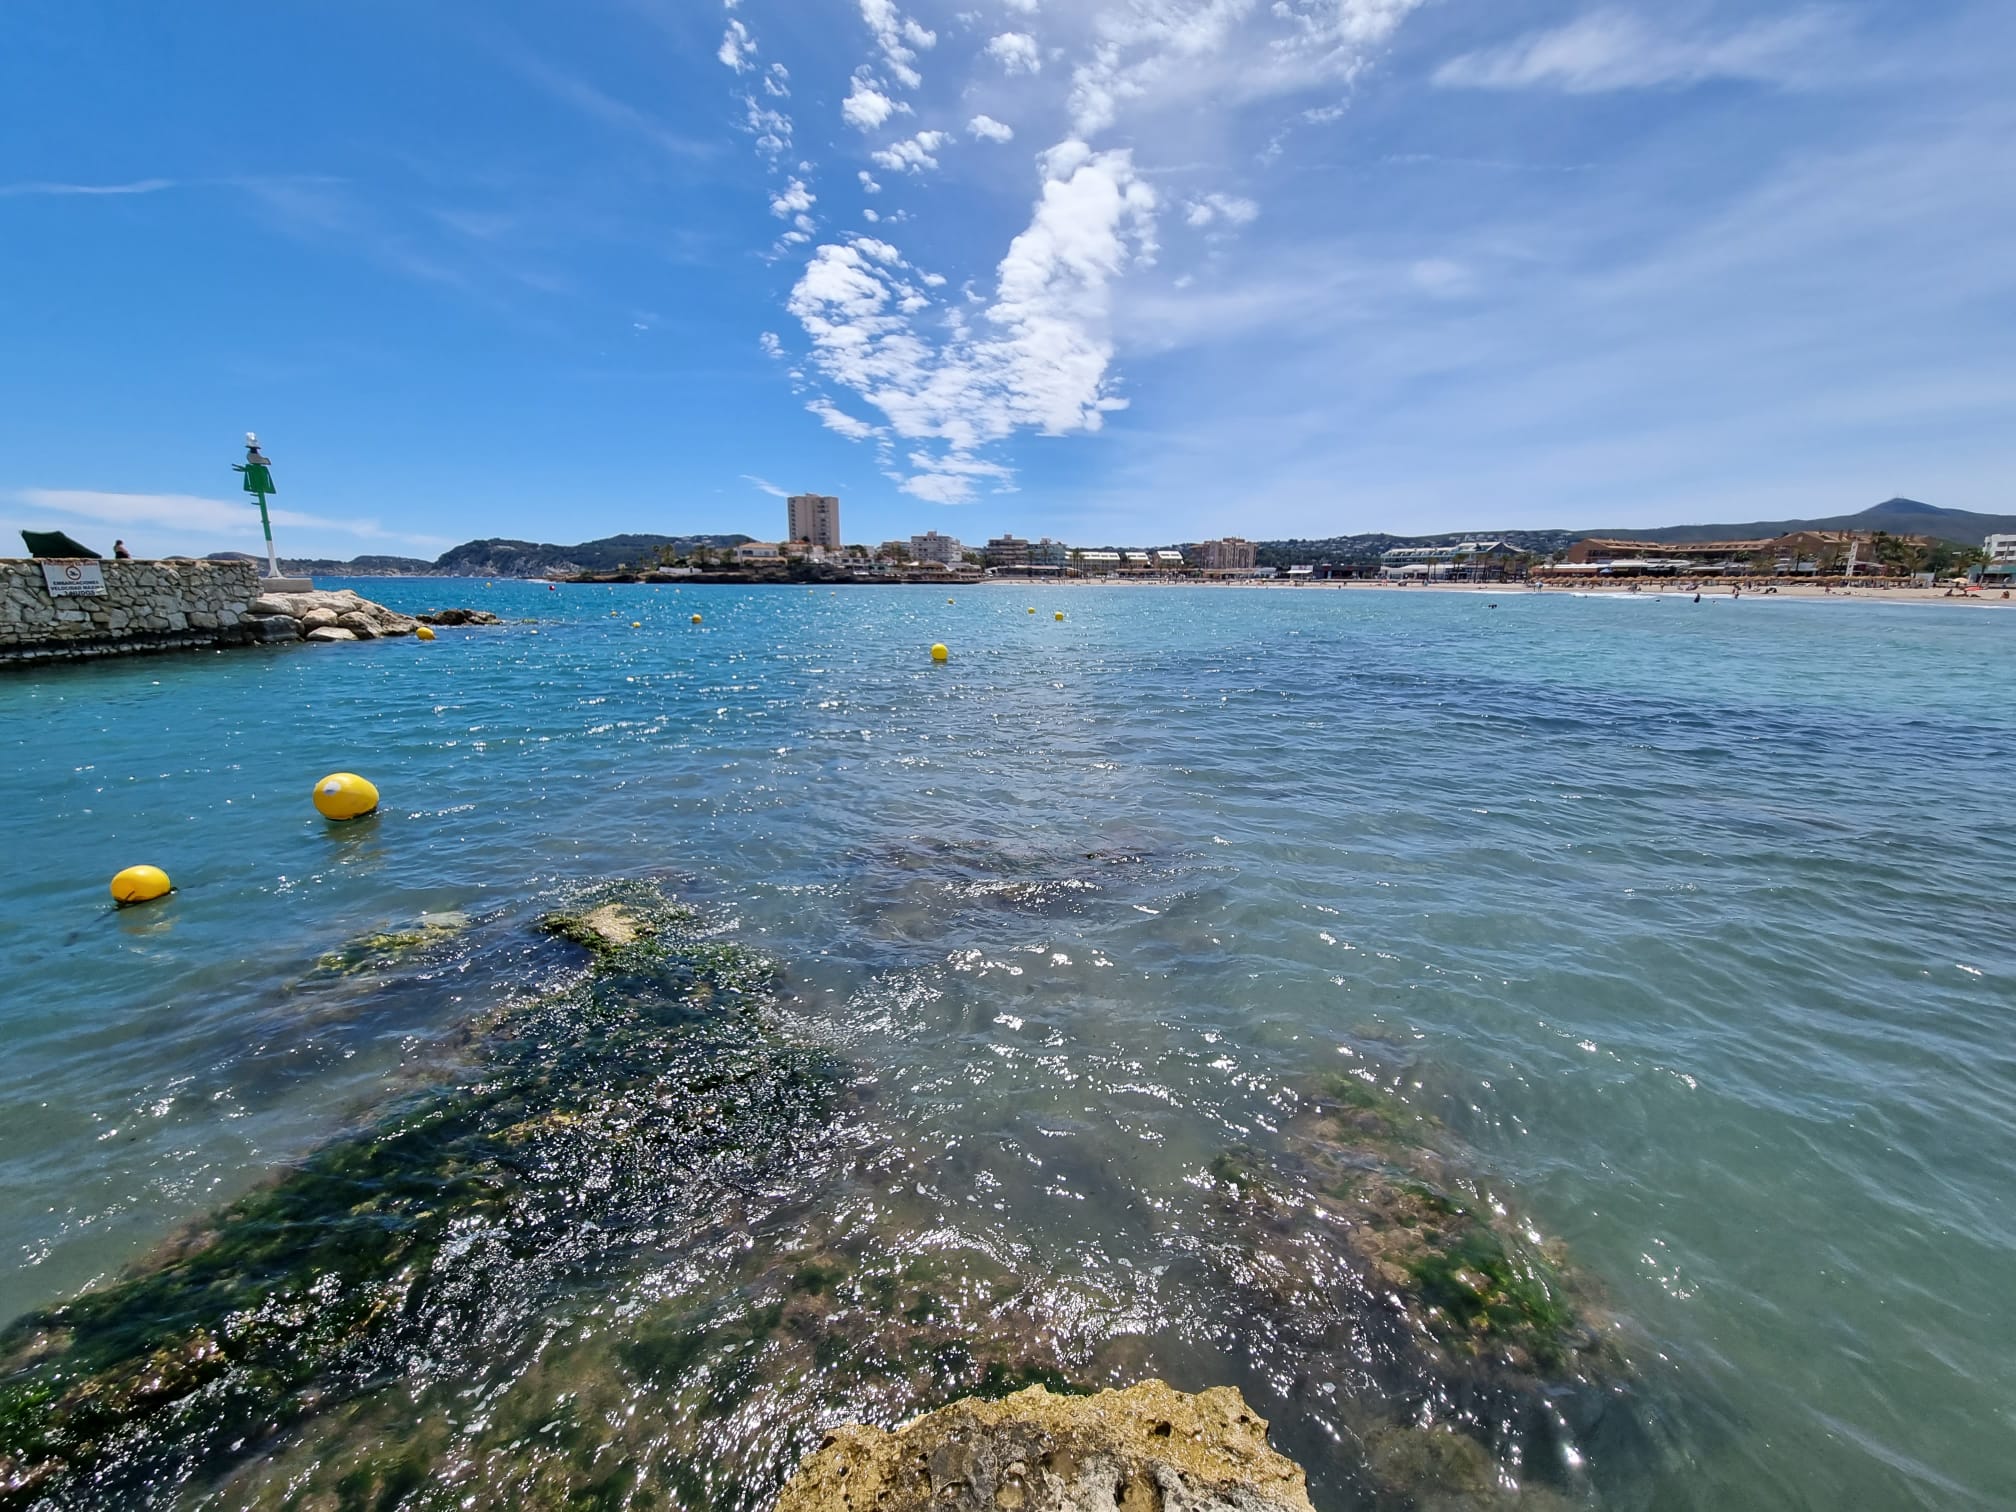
1694, 925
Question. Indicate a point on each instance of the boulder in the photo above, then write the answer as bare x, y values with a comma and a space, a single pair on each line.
330, 633
460, 617
276, 627
1144, 1449
612, 926
341, 606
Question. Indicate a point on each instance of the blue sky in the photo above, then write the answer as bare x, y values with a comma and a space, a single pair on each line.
1120, 271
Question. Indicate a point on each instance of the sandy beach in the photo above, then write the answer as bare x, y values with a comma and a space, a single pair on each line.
1763, 592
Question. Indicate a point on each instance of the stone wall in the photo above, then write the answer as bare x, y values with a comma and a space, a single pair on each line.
148, 606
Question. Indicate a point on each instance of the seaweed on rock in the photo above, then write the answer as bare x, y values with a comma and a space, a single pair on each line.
1470, 1325
628, 1104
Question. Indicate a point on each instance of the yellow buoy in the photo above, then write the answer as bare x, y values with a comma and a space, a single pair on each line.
1032, 608
140, 884
636, 624
425, 632
345, 795
696, 619
1060, 614
951, 601
939, 653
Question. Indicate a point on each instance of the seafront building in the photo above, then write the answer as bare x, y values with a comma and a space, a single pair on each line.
1232, 554
1803, 553
2001, 550
933, 547
813, 519
1465, 559
1012, 553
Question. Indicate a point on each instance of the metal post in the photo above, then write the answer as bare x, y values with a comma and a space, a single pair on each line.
266, 523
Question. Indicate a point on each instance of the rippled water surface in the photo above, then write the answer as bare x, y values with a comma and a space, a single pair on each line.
1691, 924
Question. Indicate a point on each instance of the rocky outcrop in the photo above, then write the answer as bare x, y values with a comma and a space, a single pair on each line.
460, 617
1140, 1450
337, 614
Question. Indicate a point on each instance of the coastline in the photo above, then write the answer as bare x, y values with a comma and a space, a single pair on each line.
1799, 591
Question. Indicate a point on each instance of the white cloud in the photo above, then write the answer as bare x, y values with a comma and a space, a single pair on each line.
770, 127
1024, 7
899, 39
913, 155
1188, 53
137, 186
777, 82
866, 107
1208, 209
793, 199
772, 344
1611, 50
1038, 356
989, 129
764, 485
1016, 52
1442, 277
738, 48
868, 183
210, 521
835, 419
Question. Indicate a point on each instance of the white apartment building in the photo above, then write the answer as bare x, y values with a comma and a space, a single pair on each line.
2001, 549
814, 519
933, 547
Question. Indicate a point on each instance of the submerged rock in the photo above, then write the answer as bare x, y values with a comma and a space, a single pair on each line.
1464, 1276
1138, 1450
387, 948
460, 617
605, 927
642, 1251
645, 1098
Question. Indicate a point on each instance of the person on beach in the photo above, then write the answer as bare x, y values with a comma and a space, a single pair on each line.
120, 553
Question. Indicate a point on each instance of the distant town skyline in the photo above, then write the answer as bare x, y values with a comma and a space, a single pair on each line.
1093, 271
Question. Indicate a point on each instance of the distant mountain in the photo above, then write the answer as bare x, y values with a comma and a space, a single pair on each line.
1896, 517
504, 559
498, 558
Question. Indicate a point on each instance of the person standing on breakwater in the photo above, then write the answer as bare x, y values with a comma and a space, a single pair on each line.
120, 553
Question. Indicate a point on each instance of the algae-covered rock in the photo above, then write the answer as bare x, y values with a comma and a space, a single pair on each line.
614, 925
1138, 1450
1465, 1276
387, 948
638, 1100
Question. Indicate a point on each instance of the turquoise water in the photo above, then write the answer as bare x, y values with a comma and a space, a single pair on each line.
1692, 923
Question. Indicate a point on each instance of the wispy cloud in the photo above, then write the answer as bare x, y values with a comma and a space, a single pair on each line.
136, 186
1610, 50
199, 516
599, 105
764, 485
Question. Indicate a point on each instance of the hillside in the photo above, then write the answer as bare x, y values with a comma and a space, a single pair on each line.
1368, 548
1895, 516
499, 558
504, 558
